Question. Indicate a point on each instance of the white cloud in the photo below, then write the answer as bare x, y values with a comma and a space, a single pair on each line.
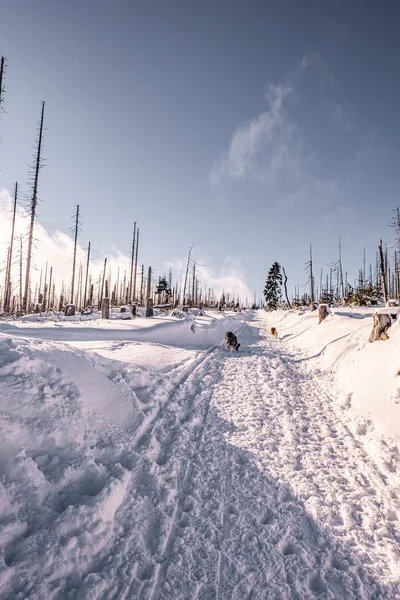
271, 150
230, 278
261, 147
57, 249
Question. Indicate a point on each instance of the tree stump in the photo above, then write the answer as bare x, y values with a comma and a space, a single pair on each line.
105, 308
323, 312
149, 307
381, 324
70, 310
133, 310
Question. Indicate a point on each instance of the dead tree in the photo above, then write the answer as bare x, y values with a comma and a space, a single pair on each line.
142, 286
34, 201
20, 276
45, 290
102, 283
132, 263
7, 287
105, 303
285, 287
186, 276
383, 272
76, 230
86, 277
136, 262
50, 304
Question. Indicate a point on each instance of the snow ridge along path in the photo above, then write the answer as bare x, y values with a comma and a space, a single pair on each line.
239, 480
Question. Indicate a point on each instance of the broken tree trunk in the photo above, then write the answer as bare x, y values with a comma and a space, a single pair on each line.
381, 324
149, 307
105, 303
323, 312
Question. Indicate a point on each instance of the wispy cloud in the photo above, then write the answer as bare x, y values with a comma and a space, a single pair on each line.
271, 148
263, 146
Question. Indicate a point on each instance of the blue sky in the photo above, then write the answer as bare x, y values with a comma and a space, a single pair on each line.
253, 128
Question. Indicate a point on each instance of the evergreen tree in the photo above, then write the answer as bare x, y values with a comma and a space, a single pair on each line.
272, 290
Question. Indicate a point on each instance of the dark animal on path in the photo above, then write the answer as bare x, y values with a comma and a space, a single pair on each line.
231, 341
273, 332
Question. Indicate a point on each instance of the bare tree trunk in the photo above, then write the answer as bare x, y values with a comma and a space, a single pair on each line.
136, 261
45, 290
49, 305
7, 288
142, 286
76, 231
383, 274
285, 287
102, 282
193, 283
132, 263
87, 275
148, 283
341, 268
20, 276
33, 212
186, 276
311, 282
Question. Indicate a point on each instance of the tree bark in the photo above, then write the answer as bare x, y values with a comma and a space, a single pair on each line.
323, 312
285, 286
381, 324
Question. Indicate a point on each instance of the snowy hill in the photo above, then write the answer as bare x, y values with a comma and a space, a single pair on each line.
141, 459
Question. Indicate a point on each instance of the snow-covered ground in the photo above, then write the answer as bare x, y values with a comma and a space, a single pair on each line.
140, 459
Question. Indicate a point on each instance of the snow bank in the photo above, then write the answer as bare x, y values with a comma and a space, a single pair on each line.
368, 374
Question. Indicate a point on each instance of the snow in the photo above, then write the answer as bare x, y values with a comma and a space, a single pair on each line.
140, 459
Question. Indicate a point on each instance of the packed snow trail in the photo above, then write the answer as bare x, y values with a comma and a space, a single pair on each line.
241, 480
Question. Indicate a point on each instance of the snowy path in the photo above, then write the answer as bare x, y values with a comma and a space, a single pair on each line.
241, 480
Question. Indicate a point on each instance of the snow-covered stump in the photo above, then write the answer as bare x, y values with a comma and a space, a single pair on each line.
323, 312
382, 322
70, 310
105, 308
149, 307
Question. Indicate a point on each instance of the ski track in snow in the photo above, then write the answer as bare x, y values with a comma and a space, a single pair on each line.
240, 480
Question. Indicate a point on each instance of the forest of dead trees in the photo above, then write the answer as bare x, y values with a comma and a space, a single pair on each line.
27, 287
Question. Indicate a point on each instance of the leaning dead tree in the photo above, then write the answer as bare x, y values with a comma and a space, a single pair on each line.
76, 233
34, 201
285, 287
7, 286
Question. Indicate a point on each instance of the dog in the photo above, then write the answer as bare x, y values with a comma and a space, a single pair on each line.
231, 341
273, 331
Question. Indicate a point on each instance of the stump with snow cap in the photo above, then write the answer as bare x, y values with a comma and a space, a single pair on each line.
382, 322
323, 312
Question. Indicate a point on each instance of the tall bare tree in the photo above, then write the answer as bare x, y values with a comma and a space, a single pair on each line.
132, 263
76, 230
34, 201
7, 288
86, 277
383, 272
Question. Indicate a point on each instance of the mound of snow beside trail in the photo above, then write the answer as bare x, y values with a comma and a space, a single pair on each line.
367, 373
